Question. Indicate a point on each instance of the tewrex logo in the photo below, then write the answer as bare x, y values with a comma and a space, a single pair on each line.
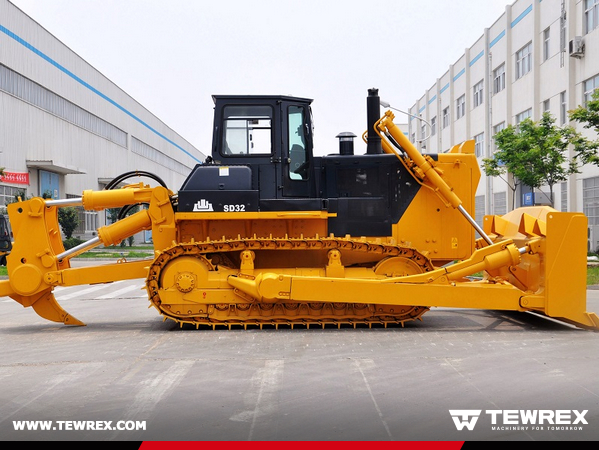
562, 419
464, 418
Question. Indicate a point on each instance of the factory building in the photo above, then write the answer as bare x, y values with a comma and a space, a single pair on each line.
539, 56
65, 127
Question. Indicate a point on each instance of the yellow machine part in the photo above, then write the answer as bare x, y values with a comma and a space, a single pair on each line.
35, 265
446, 236
555, 269
213, 283
285, 269
231, 282
535, 263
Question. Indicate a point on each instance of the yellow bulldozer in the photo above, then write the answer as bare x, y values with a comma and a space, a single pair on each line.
266, 233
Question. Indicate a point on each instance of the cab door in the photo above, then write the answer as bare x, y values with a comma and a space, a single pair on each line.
297, 171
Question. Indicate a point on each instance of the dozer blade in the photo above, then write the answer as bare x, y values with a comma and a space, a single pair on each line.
562, 247
46, 306
565, 277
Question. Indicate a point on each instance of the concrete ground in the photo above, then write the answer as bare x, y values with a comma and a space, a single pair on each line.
392, 384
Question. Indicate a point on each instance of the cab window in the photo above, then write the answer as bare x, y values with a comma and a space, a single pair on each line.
247, 130
298, 154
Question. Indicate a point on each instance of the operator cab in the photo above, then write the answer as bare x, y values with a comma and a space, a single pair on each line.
262, 160
271, 133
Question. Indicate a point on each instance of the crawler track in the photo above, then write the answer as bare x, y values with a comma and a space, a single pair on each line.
219, 259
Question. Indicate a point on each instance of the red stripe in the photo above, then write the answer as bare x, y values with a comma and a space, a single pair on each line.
327, 445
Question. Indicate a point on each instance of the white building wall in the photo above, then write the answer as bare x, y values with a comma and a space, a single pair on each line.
523, 22
478, 74
33, 138
430, 113
445, 99
460, 88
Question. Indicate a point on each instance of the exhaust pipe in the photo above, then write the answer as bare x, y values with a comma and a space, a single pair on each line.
373, 104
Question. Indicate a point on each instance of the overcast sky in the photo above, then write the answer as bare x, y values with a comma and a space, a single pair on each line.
172, 55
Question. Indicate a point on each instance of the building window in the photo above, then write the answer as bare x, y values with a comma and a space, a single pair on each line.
499, 79
413, 138
479, 144
546, 105
8, 194
546, 43
590, 207
564, 189
446, 117
590, 199
563, 108
423, 132
523, 61
478, 92
590, 86
460, 107
523, 116
591, 14
496, 129
88, 220
562, 35
500, 203
433, 126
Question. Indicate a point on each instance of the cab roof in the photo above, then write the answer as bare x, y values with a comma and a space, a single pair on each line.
288, 98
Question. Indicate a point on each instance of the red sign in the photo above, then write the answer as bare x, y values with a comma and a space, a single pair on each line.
15, 177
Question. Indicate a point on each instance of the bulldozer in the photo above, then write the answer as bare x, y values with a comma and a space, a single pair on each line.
266, 233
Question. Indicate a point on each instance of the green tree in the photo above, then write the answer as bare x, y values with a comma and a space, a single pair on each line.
68, 218
494, 167
535, 153
112, 214
588, 117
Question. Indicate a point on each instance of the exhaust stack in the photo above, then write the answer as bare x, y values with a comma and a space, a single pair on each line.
373, 104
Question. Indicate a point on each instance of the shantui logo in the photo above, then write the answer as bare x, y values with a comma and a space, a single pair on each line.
203, 205
536, 419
